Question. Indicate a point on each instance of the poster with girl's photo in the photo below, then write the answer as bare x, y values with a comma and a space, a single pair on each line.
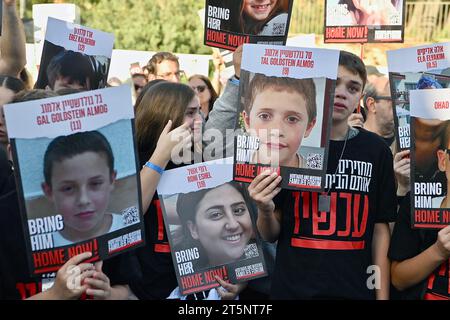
74, 56
430, 125
77, 176
211, 225
364, 21
229, 24
285, 113
415, 68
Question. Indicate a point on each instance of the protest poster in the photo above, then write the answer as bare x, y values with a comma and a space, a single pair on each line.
229, 24
285, 110
430, 153
422, 67
364, 21
77, 176
211, 226
74, 56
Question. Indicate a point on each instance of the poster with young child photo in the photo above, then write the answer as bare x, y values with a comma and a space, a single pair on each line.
74, 56
77, 174
229, 24
422, 67
211, 225
285, 111
430, 120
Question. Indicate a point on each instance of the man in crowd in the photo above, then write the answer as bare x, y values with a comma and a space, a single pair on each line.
164, 65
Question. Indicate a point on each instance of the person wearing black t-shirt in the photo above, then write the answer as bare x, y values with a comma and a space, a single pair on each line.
331, 245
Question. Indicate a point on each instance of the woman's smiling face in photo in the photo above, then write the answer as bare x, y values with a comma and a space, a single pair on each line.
222, 224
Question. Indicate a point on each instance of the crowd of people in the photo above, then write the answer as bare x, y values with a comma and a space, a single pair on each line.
305, 258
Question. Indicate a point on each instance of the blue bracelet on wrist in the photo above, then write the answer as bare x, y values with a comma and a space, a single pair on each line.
153, 166
234, 80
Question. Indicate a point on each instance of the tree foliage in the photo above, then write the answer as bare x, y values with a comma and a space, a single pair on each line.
151, 25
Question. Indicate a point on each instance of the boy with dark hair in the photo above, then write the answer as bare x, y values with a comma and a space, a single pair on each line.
69, 69
333, 245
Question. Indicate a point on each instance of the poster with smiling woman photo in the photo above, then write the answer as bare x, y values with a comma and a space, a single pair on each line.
211, 227
228, 24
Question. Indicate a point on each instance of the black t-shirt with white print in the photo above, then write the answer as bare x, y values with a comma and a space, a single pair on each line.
327, 255
407, 243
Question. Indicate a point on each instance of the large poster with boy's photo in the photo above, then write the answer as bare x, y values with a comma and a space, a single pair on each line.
74, 56
285, 113
211, 225
364, 21
430, 158
422, 67
77, 175
229, 24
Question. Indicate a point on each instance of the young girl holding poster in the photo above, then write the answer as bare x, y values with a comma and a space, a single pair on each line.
104, 280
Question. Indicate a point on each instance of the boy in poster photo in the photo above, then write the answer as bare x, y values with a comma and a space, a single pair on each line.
281, 112
79, 178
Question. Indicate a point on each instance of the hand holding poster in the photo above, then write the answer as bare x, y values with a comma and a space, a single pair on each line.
229, 24
364, 21
286, 112
211, 227
74, 56
422, 67
430, 125
76, 169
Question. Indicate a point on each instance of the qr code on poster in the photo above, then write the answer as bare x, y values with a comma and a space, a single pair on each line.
314, 161
278, 29
251, 251
130, 216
